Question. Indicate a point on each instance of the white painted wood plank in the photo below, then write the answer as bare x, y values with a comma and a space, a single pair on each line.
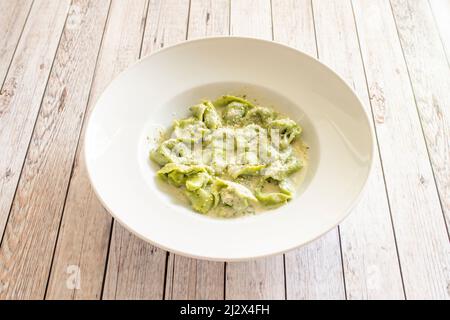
441, 13
255, 279
251, 18
263, 278
13, 15
315, 270
30, 236
190, 278
136, 269
430, 78
83, 240
166, 24
293, 24
368, 245
194, 279
24, 86
209, 18
417, 215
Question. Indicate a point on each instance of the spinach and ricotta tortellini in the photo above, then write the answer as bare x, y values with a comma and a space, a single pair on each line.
231, 156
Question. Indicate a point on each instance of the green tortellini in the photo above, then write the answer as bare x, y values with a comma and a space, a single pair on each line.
231, 156
172, 150
241, 170
189, 130
260, 115
227, 99
201, 200
207, 113
195, 179
235, 112
280, 170
274, 198
233, 194
239, 112
288, 130
178, 174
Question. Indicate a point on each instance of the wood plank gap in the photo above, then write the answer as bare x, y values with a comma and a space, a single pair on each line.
229, 22
285, 277
188, 19
105, 268
315, 36
342, 263
143, 30
271, 22
225, 276
165, 277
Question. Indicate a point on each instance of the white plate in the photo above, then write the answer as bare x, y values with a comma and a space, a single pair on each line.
160, 87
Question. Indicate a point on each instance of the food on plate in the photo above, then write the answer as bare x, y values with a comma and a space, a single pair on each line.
232, 157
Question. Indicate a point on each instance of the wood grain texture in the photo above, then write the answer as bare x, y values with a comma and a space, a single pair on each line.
30, 235
24, 86
84, 235
166, 24
371, 266
141, 276
194, 279
191, 278
263, 278
395, 54
251, 18
441, 13
13, 15
293, 24
315, 270
209, 18
430, 77
417, 216
255, 279
135, 268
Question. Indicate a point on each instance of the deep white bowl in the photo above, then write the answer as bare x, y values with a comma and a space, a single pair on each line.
160, 87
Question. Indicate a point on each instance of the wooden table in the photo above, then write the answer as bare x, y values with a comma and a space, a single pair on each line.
57, 242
